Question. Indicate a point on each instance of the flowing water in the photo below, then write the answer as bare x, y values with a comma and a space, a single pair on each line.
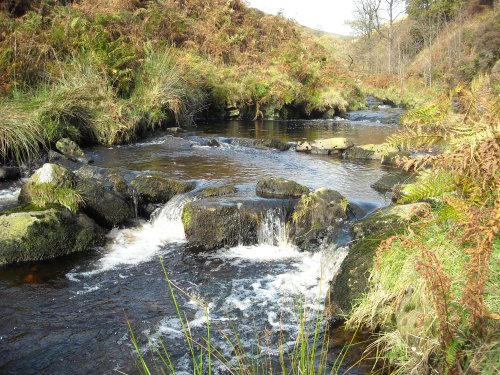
70, 315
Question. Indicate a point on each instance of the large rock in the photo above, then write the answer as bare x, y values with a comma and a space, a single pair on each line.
106, 207
50, 175
325, 146
152, 188
352, 279
46, 234
111, 179
9, 173
70, 149
218, 191
317, 215
389, 181
370, 151
211, 225
280, 188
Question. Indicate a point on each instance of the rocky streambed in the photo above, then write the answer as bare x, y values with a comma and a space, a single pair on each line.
241, 220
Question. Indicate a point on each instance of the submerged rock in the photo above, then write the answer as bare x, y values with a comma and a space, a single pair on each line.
45, 234
280, 188
212, 225
106, 207
316, 216
9, 173
352, 279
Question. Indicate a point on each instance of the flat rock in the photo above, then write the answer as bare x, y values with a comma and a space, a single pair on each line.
280, 188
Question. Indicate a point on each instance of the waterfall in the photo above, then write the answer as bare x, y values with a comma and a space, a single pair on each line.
273, 230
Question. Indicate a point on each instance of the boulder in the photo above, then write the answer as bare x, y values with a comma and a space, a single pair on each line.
213, 143
280, 188
325, 146
217, 191
392, 158
106, 207
352, 279
388, 182
174, 130
211, 225
9, 173
370, 151
155, 188
52, 176
272, 143
38, 235
317, 215
111, 179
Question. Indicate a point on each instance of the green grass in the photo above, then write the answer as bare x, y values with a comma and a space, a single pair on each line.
308, 355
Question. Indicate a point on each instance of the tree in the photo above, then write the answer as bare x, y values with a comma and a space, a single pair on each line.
366, 20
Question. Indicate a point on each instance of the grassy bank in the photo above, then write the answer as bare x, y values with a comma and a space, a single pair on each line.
103, 72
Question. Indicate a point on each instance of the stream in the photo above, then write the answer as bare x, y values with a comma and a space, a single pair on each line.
69, 315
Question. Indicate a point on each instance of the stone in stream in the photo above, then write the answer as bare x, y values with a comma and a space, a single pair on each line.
212, 225
9, 173
218, 191
352, 278
213, 143
316, 216
389, 181
280, 188
327, 146
261, 144
29, 234
384, 152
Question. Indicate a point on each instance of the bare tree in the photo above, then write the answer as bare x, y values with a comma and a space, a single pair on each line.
366, 17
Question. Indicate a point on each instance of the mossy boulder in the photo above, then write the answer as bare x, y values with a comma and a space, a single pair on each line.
213, 143
370, 151
272, 143
106, 207
214, 224
352, 278
154, 188
218, 191
70, 149
317, 215
392, 158
389, 181
45, 234
280, 188
50, 175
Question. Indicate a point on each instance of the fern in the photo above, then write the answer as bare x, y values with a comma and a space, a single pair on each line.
410, 138
429, 184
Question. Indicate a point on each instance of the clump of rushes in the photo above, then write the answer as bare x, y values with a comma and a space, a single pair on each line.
308, 354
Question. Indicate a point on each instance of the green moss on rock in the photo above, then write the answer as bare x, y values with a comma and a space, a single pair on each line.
151, 188
214, 191
280, 188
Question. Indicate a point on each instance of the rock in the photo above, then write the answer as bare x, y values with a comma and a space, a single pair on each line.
69, 149
110, 179
271, 143
325, 146
370, 151
51, 175
387, 182
391, 158
280, 188
46, 234
9, 173
212, 225
218, 191
213, 143
352, 279
155, 188
174, 130
317, 215
106, 207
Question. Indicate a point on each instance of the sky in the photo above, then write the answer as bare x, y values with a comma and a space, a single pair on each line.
326, 15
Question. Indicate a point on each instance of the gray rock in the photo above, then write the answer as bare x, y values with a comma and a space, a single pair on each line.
317, 215
155, 188
38, 235
387, 182
213, 143
280, 188
218, 191
329, 146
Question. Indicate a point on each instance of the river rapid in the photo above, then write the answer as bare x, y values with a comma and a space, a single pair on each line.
70, 315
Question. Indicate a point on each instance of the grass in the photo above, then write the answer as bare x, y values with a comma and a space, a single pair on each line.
308, 354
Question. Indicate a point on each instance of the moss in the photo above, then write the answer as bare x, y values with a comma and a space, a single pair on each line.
280, 188
187, 214
218, 191
69, 148
158, 189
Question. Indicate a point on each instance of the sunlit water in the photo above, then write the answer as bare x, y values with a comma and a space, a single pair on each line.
70, 315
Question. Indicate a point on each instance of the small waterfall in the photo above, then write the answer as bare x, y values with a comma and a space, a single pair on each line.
135, 202
273, 230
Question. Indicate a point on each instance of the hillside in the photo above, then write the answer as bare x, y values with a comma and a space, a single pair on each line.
140, 64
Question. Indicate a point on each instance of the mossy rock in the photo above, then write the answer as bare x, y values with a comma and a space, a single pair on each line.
152, 188
211, 226
69, 149
316, 216
218, 191
389, 181
46, 234
370, 151
280, 188
272, 143
326, 146
106, 207
351, 281
392, 158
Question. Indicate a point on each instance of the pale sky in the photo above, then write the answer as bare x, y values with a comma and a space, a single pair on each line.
326, 15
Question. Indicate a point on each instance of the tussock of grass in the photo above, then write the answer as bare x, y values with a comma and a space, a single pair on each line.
44, 194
